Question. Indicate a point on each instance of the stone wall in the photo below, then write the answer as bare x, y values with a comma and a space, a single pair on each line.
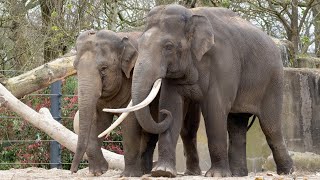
308, 62
301, 109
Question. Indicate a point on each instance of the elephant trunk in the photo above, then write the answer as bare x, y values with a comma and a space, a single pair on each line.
89, 91
144, 77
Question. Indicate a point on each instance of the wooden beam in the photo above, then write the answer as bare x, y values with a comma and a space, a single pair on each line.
40, 77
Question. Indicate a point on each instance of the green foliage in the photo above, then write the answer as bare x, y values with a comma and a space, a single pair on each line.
225, 3
305, 39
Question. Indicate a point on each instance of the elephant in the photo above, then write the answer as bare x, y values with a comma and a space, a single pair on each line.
104, 63
230, 68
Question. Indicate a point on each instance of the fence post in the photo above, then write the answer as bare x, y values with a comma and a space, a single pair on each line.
55, 148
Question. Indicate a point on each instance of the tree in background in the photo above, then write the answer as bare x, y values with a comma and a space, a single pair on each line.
293, 20
36, 31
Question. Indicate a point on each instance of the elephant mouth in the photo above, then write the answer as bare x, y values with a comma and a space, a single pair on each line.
125, 111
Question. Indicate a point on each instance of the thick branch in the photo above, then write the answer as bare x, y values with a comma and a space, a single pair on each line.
40, 77
44, 121
305, 15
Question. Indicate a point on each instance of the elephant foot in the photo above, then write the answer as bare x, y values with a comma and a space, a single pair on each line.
131, 173
239, 172
214, 172
98, 168
193, 171
163, 170
288, 169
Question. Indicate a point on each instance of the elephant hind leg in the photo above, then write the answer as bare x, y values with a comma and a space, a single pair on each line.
189, 139
237, 129
270, 121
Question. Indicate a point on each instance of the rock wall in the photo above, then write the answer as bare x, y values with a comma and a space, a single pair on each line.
301, 109
308, 62
287, 51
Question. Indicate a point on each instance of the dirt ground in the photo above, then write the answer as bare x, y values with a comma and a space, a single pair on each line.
57, 174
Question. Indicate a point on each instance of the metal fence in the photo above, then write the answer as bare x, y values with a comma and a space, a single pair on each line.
47, 152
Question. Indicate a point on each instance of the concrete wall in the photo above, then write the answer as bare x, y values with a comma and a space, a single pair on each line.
301, 109
300, 123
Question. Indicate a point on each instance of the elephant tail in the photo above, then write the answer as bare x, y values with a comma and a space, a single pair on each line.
252, 121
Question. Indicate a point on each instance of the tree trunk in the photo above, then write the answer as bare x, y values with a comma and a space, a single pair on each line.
316, 20
40, 77
20, 51
294, 38
52, 21
45, 122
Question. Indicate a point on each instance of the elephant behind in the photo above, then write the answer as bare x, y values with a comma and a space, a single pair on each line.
104, 64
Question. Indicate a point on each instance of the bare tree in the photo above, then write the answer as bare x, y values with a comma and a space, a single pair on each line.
292, 15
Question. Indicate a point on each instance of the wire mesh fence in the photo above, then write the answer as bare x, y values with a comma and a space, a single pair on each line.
22, 145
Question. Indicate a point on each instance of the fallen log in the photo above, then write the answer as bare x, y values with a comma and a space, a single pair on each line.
45, 122
40, 77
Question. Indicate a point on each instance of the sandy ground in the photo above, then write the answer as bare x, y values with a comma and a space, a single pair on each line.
57, 174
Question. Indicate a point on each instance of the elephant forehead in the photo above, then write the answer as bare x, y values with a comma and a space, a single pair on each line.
167, 22
85, 47
150, 36
172, 23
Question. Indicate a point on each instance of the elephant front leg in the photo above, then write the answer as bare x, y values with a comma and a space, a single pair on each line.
97, 163
216, 127
149, 142
237, 129
131, 132
170, 103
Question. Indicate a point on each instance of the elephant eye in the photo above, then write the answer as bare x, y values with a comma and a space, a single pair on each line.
103, 70
169, 46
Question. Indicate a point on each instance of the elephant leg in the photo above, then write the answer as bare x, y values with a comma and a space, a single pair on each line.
215, 118
131, 145
169, 100
97, 163
237, 129
270, 122
149, 142
189, 138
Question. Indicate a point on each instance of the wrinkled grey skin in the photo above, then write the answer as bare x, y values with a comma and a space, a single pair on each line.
104, 66
232, 69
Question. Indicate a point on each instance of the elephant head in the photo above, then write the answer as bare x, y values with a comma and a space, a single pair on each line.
103, 60
171, 47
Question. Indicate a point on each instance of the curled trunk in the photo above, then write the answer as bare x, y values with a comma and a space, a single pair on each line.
140, 89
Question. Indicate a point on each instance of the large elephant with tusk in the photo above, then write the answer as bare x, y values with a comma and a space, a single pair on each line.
211, 58
104, 64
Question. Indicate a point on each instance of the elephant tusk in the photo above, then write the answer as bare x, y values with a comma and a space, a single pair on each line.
153, 93
116, 123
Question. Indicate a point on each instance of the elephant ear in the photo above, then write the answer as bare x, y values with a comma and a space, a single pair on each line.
128, 56
199, 31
